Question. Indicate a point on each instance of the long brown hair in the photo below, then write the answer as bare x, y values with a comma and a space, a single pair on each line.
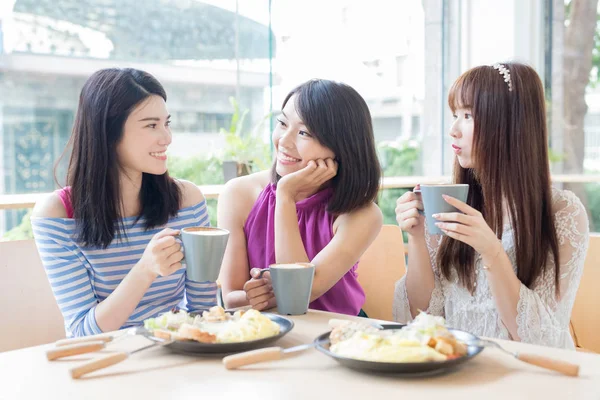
510, 155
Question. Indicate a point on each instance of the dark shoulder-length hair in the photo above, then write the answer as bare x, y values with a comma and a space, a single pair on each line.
106, 100
338, 117
510, 154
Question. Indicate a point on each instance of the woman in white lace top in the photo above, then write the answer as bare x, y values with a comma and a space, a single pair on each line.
510, 264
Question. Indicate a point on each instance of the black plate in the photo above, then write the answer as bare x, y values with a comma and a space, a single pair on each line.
419, 368
193, 347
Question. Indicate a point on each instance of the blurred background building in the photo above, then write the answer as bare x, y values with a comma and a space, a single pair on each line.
401, 55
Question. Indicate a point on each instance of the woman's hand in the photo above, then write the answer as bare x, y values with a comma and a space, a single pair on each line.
163, 254
307, 181
407, 213
259, 291
469, 228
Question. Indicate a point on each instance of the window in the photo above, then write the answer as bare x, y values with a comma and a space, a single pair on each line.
214, 55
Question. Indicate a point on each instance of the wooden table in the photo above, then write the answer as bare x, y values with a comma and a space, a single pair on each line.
157, 374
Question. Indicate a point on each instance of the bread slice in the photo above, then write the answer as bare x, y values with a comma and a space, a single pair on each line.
187, 331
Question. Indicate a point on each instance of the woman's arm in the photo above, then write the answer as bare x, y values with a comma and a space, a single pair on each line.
537, 315
543, 317
469, 226
115, 310
199, 295
505, 288
414, 291
235, 203
292, 188
83, 313
354, 233
288, 242
420, 280
433, 302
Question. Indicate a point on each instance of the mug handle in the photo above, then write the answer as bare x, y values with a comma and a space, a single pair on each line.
262, 271
178, 236
418, 191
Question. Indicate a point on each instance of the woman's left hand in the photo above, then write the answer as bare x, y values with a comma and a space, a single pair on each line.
307, 181
469, 228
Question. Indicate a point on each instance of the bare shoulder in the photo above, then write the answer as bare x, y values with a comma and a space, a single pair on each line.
239, 195
50, 206
190, 193
248, 186
369, 216
370, 212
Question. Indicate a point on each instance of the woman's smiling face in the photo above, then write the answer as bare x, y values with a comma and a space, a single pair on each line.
294, 144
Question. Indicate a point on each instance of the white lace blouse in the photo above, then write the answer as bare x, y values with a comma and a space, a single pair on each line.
542, 318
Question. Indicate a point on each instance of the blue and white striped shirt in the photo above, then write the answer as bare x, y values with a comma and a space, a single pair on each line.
82, 277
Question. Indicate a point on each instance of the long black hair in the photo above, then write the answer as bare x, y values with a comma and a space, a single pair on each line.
339, 118
105, 102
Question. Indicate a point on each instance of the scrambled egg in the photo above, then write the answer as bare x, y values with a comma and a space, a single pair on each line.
214, 326
252, 325
424, 339
393, 348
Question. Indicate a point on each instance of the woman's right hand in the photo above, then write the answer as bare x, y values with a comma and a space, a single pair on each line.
407, 213
259, 290
163, 254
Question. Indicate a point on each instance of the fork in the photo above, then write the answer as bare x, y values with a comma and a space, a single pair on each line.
563, 367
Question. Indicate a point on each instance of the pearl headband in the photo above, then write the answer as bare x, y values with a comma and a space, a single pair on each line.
505, 74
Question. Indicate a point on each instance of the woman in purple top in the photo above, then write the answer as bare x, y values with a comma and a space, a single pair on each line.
315, 205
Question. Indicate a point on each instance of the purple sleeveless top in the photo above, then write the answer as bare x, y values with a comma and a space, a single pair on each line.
316, 230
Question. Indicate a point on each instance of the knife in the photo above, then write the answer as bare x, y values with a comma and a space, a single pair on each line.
266, 354
114, 358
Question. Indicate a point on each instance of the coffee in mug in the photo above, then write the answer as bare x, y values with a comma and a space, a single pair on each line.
205, 231
289, 266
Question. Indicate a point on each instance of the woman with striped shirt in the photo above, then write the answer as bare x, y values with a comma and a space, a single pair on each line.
108, 239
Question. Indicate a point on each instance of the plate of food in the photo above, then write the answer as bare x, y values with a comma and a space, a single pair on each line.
217, 331
424, 346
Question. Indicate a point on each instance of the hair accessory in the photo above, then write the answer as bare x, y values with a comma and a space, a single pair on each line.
505, 73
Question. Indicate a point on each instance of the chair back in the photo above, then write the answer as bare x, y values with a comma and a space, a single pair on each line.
28, 311
585, 318
381, 265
